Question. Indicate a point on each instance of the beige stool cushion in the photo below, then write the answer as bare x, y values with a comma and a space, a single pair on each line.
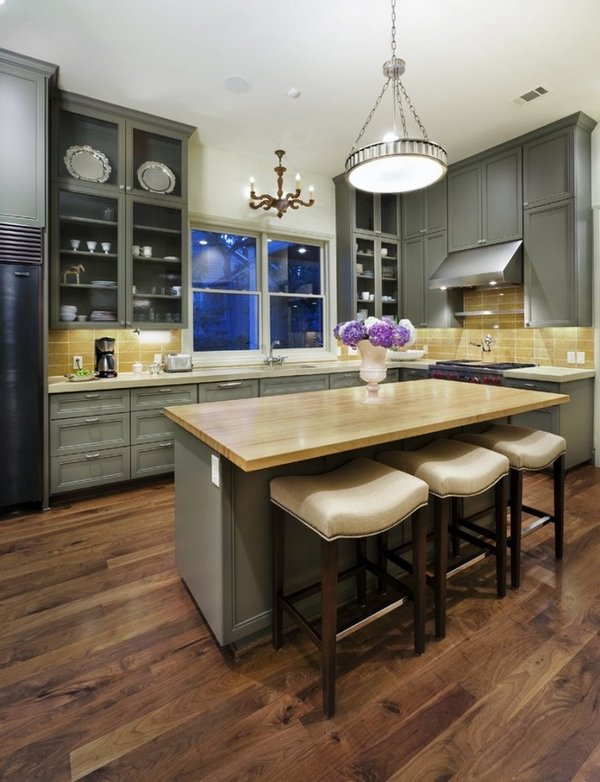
361, 498
449, 470
525, 448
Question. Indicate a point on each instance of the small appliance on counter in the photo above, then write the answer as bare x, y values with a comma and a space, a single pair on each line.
178, 362
104, 362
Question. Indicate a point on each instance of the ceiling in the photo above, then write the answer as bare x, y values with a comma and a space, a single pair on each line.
466, 62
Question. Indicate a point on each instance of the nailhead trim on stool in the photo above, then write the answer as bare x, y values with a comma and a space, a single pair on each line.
452, 473
358, 500
532, 450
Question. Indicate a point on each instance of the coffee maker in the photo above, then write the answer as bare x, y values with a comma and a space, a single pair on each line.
104, 363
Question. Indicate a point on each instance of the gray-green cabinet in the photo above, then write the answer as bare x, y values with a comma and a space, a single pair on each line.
572, 420
227, 389
24, 88
368, 252
120, 250
558, 225
424, 307
485, 201
425, 210
275, 386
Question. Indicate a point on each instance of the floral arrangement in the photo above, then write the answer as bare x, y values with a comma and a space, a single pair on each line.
380, 333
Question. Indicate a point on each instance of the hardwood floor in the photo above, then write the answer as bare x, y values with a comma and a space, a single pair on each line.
107, 671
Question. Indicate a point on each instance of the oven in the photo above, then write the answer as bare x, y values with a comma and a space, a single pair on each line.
473, 371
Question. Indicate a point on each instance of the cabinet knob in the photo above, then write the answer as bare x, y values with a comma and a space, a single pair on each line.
128, 187
525, 203
121, 187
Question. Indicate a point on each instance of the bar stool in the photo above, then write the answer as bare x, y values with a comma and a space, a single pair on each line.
358, 500
454, 473
531, 450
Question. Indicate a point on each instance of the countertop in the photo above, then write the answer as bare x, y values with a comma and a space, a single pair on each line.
266, 432
60, 385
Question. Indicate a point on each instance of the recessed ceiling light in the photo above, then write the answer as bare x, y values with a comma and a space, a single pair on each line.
237, 84
294, 92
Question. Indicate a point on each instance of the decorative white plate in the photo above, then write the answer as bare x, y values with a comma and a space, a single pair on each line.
105, 283
86, 163
156, 177
405, 355
81, 378
171, 258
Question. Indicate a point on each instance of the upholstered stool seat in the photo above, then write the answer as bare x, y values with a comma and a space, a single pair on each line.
453, 471
358, 500
531, 450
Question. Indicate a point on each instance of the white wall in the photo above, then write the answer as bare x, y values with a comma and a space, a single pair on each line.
219, 190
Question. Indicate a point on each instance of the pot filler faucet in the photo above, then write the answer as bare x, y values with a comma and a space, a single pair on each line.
485, 344
271, 359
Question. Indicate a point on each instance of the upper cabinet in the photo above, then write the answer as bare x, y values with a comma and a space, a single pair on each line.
425, 210
376, 213
119, 246
485, 201
24, 88
549, 170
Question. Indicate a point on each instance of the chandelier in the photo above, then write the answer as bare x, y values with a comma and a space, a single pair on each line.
401, 163
281, 203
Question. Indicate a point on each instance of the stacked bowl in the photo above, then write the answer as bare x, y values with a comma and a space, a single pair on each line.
68, 312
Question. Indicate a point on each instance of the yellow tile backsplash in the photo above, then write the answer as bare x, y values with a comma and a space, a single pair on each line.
514, 342
63, 344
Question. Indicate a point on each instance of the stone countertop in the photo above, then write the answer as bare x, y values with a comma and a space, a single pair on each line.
550, 374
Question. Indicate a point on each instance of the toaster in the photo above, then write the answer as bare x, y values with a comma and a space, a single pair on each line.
178, 362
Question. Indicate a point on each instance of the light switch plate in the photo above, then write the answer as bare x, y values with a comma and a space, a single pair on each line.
580, 357
215, 469
570, 356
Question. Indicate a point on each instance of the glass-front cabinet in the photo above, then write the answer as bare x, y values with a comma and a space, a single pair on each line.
376, 277
119, 247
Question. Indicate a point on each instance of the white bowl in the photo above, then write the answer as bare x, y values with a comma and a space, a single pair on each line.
405, 355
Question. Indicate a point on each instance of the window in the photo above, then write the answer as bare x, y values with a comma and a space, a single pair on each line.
248, 291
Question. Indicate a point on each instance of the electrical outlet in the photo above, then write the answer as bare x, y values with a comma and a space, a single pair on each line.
570, 357
77, 362
157, 358
580, 357
215, 473
425, 348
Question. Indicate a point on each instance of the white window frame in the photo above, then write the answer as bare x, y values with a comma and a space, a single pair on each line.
328, 294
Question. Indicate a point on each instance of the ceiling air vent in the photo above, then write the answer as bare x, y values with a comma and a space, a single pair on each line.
530, 95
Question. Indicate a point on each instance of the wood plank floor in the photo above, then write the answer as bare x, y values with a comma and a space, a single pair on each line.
108, 672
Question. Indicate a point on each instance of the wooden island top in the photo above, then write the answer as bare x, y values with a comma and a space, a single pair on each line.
265, 432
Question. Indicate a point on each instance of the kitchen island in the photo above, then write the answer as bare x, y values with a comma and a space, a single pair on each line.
226, 453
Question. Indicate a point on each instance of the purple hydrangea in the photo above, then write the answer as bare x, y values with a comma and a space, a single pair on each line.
381, 334
351, 332
401, 336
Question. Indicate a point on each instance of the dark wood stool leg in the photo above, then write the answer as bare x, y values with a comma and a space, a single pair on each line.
278, 542
500, 499
516, 505
419, 545
328, 623
559, 506
457, 510
361, 574
441, 511
382, 546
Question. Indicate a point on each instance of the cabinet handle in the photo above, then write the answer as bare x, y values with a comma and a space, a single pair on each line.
166, 445
92, 396
92, 420
231, 384
530, 385
93, 455
165, 390
423, 230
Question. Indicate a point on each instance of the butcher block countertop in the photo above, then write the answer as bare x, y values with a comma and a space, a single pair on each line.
269, 431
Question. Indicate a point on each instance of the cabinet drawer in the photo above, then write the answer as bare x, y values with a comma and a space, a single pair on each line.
150, 426
272, 386
228, 389
162, 396
93, 468
345, 380
90, 433
89, 403
152, 459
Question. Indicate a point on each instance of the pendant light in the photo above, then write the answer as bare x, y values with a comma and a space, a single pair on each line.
401, 163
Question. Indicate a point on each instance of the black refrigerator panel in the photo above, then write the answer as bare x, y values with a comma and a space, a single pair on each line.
21, 383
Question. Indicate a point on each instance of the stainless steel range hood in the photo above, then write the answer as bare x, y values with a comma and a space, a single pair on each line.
495, 264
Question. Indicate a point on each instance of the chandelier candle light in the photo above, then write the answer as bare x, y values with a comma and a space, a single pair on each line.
373, 337
280, 202
401, 163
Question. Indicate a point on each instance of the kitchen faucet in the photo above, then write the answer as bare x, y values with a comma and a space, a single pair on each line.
271, 359
485, 344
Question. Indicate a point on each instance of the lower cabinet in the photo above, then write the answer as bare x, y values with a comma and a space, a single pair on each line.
571, 420
271, 386
91, 468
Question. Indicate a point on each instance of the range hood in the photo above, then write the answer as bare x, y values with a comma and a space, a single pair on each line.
495, 264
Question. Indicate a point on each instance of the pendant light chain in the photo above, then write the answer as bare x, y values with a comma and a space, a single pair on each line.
370, 117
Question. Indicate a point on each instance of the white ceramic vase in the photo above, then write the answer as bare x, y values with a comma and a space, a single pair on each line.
372, 369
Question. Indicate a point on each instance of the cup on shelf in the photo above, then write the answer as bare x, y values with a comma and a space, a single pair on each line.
384, 252
75, 244
176, 290
359, 268
147, 251
137, 368
136, 249
91, 246
365, 295
82, 318
105, 247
